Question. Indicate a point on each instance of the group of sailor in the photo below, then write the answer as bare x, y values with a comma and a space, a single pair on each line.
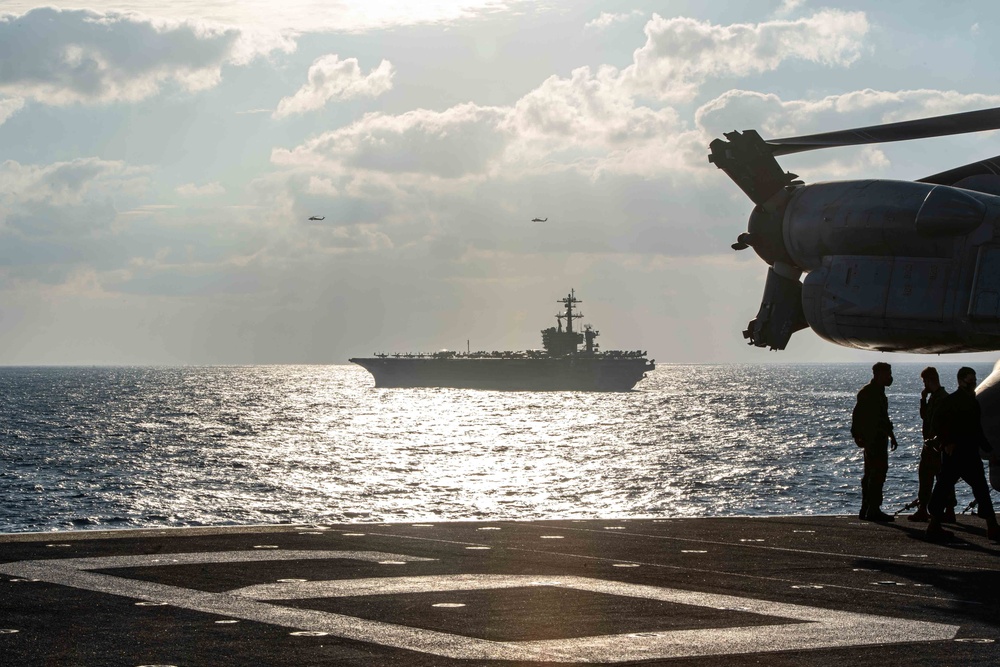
953, 449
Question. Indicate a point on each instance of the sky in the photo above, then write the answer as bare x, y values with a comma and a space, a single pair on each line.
160, 161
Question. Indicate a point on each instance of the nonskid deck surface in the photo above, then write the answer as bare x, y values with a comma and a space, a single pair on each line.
750, 591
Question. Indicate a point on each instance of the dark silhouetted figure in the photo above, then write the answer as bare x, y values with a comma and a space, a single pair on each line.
932, 398
959, 428
872, 431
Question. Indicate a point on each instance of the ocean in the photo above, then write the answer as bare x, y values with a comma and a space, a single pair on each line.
126, 447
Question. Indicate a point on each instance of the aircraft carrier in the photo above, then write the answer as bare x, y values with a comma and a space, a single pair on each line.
560, 366
806, 590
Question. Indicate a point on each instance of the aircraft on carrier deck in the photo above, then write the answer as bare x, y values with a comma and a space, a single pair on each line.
892, 266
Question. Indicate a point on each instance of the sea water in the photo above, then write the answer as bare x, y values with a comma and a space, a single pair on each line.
126, 447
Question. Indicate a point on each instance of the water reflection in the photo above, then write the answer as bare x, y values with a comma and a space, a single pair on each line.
182, 446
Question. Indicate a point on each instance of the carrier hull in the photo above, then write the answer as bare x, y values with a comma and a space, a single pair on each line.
505, 374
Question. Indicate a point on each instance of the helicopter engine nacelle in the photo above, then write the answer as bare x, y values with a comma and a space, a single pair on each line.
891, 265
881, 219
886, 263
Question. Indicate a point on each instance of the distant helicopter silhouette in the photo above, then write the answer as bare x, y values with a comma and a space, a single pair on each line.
317, 217
539, 219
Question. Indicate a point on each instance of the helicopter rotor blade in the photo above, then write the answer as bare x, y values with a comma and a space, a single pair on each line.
749, 160
923, 128
987, 167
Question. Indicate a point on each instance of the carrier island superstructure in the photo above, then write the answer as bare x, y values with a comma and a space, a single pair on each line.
560, 366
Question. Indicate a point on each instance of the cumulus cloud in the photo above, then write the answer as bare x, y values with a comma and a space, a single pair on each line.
65, 200
789, 7
206, 190
774, 117
606, 19
587, 112
64, 183
414, 176
298, 16
62, 57
329, 78
682, 53
452, 143
595, 121
8, 107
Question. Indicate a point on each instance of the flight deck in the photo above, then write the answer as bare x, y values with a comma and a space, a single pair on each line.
808, 590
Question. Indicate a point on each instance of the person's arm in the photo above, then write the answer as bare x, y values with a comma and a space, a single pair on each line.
942, 424
860, 418
887, 423
892, 435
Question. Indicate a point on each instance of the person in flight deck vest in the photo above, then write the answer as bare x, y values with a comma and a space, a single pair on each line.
871, 429
959, 429
932, 398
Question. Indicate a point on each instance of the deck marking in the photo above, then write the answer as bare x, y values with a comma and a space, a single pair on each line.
816, 628
811, 552
726, 573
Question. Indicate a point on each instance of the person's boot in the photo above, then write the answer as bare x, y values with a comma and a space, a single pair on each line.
993, 530
935, 532
878, 515
949, 516
920, 515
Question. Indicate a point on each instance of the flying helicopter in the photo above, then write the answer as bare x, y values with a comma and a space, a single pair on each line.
892, 266
317, 217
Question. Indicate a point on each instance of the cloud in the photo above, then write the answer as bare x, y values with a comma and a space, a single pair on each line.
62, 57
774, 117
586, 121
682, 53
9, 107
207, 190
606, 19
51, 206
329, 78
90, 217
298, 16
592, 121
452, 143
65, 183
584, 117
789, 7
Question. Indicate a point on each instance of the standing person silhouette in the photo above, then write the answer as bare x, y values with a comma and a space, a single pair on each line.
932, 398
959, 428
872, 431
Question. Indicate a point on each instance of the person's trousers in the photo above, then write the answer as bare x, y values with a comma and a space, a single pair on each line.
876, 467
927, 470
962, 464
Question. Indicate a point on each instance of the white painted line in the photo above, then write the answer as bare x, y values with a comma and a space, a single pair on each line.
816, 627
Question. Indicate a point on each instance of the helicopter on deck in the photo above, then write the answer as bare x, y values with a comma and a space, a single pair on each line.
889, 265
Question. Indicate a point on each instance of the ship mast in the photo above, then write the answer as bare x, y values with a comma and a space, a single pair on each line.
569, 302
559, 343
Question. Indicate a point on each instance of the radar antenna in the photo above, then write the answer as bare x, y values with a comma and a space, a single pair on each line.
569, 302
